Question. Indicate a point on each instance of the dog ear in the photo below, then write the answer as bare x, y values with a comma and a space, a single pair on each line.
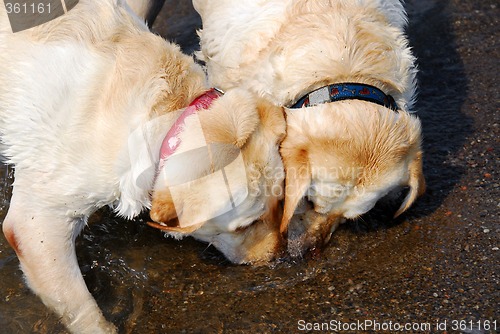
297, 181
231, 119
272, 119
416, 183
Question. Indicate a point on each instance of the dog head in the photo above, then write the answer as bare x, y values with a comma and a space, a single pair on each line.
340, 159
225, 181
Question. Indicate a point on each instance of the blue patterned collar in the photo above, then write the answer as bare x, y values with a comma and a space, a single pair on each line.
346, 91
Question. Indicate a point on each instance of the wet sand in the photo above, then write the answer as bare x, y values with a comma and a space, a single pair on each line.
439, 262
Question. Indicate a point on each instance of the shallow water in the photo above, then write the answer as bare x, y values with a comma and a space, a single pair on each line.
436, 263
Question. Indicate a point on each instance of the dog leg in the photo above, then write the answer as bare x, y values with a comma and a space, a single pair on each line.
45, 246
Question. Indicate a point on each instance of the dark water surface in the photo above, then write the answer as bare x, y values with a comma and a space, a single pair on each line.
439, 262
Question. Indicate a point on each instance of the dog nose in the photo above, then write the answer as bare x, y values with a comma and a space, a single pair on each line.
310, 232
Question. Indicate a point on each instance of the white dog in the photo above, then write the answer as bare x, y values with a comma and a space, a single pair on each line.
86, 102
345, 72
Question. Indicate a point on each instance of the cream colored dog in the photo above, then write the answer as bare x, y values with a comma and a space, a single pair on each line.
345, 72
86, 103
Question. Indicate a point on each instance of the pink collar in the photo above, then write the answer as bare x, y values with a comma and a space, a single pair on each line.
172, 140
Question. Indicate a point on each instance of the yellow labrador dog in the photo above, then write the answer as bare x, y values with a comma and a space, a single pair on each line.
87, 102
346, 75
